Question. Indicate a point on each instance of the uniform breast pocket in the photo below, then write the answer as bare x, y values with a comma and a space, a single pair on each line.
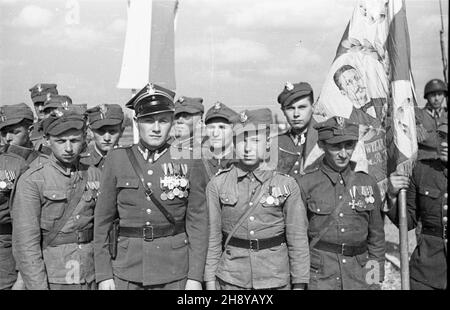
227, 200
363, 206
127, 183
53, 207
429, 192
319, 207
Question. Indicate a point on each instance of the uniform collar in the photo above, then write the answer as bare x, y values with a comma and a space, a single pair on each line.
147, 153
67, 171
298, 138
433, 112
334, 175
259, 173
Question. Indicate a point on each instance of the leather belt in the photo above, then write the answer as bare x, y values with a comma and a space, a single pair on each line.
435, 231
254, 244
151, 232
6, 229
79, 237
343, 249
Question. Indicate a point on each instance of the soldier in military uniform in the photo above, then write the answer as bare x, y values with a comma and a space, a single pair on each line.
300, 140
15, 121
106, 123
427, 200
217, 149
39, 94
187, 127
427, 118
346, 229
53, 209
258, 224
159, 202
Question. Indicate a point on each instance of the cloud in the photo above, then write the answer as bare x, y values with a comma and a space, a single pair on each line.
227, 52
33, 16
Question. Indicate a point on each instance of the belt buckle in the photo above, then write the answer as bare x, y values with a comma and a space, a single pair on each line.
147, 233
254, 245
343, 249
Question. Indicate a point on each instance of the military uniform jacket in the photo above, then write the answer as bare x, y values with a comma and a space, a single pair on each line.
229, 195
292, 154
322, 189
427, 201
427, 124
42, 193
92, 157
165, 259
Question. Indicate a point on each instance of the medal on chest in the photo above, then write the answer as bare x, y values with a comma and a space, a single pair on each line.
7, 178
175, 182
355, 202
276, 195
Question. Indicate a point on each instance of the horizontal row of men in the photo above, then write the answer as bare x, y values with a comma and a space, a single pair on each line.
78, 216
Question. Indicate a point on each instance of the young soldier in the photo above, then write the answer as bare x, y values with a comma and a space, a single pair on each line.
427, 118
159, 202
258, 224
217, 149
15, 122
187, 124
106, 123
427, 201
346, 230
295, 145
53, 210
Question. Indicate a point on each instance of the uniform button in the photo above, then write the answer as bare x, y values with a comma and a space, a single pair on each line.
148, 211
150, 172
127, 184
344, 260
150, 160
226, 199
341, 182
252, 218
251, 204
149, 184
147, 223
252, 232
74, 186
427, 192
253, 180
341, 214
296, 171
185, 241
253, 191
444, 219
445, 195
340, 196
79, 246
77, 217
318, 210
337, 278
342, 229
445, 207
297, 163
53, 196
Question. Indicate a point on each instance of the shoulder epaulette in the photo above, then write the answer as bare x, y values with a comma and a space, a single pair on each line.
221, 171
36, 164
309, 170
123, 147
289, 152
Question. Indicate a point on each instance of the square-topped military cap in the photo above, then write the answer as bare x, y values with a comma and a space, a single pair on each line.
104, 115
39, 91
152, 99
189, 105
291, 92
252, 121
57, 101
336, 130
64, 119
220, 110
14, 114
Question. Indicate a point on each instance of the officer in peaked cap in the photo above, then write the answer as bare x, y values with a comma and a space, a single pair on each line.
428, 118
155, 202
39, 94
268, 247
53, 209
217, 149
106, 124
188, 124
346, 229
298, 142
15, 121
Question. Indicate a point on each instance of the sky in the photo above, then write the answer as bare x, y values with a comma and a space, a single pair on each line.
239, 52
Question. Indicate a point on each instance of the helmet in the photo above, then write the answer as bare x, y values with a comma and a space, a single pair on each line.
433, 86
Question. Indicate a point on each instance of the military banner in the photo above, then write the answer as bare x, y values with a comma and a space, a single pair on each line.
370, 83
149, 52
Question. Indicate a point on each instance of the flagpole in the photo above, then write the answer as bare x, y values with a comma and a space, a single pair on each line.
135, 129
403, 229
441, 35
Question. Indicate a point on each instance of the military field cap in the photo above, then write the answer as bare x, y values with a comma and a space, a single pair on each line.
104, 115
57, 101
62, 120
14, 114
189, 105
152, 99
220, 110
336, 130
294, 91
252, 120
443, 124
39, 91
